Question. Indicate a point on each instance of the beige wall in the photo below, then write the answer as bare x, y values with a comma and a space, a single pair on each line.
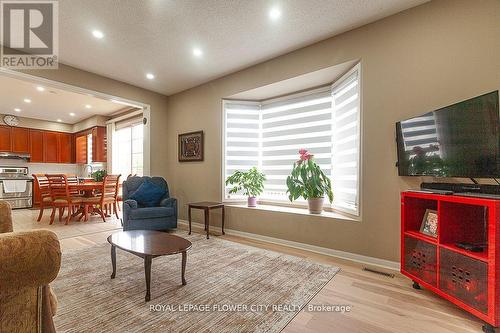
158, 103
413, 62
90, 122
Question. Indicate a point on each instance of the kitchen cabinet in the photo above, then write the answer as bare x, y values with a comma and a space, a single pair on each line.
55, 147
94, 139
50, 147
81, 149
65, 148
20, 140
99, 144
36, 146
5, 138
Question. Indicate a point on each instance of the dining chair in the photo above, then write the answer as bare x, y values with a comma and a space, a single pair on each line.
73, 192
107, 197
61, 197
45, 198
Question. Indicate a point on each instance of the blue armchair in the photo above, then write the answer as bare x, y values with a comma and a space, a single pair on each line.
136, 217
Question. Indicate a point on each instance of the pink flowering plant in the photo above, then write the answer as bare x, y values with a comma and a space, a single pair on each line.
307, 180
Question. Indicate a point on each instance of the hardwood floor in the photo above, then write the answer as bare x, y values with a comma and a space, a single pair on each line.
378, 304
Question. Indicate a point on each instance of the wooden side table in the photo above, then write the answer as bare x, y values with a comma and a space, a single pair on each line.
206, 206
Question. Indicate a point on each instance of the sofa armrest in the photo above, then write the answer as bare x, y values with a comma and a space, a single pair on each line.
130, 204
28, 259
169, 202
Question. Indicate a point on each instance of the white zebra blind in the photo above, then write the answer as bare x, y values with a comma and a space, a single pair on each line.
346, 142
241, 138
289, 125
269, 134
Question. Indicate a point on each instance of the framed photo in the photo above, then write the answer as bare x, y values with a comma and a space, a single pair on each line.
430, 223
191, 147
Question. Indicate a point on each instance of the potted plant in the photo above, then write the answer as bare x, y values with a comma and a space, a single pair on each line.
307, 180
99, 175
251, 182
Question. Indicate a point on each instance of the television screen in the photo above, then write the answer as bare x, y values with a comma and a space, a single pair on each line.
460, 140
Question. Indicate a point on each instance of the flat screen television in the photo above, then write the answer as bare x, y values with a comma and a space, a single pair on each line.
460, 140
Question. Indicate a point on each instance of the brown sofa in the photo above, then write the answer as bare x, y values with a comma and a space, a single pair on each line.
29, 261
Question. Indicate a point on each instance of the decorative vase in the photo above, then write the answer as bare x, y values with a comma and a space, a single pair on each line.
315, 205
252, 201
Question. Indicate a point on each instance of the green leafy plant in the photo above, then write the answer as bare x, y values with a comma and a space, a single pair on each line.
99, 175
251, 182
307, 180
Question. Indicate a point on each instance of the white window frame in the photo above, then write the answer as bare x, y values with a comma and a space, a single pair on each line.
356, 215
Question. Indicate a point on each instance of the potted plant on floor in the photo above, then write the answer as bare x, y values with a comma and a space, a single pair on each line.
251, 182
307, 180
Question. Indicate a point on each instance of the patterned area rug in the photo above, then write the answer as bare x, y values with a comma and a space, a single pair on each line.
230, 288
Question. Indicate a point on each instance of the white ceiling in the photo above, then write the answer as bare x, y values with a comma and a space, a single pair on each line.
158, 36
51, 104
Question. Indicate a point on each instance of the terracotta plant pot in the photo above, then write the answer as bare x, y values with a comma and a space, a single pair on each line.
252, 201
315, 205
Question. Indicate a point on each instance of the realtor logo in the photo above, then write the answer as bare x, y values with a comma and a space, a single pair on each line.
29, 34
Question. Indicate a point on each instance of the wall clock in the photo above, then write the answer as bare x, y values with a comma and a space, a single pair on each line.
11, 120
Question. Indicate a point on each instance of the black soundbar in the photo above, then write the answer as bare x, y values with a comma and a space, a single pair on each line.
462, 187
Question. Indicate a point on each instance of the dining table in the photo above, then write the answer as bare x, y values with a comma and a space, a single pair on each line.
88, 189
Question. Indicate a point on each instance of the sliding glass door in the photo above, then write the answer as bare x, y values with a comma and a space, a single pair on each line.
128, 143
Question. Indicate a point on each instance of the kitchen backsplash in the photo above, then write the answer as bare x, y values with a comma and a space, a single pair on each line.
79, 170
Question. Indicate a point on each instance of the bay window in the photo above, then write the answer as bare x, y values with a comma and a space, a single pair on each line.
268, 134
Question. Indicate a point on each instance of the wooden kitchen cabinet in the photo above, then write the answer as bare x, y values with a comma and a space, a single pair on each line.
81, 149
5, 138
20, 140
65, 148
50, 147
36, 146
99, 144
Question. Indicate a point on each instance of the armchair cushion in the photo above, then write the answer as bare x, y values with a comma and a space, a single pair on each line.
151, 213
148, 194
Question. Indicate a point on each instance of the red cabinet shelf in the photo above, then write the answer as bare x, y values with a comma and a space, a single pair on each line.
476, 255
421, 236
468, 279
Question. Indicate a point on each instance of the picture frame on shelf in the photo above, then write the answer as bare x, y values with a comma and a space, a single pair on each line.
430, 223
191, 147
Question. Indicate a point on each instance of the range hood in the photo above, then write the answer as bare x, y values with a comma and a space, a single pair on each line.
18, 156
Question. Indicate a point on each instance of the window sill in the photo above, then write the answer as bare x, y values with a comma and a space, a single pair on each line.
294, 210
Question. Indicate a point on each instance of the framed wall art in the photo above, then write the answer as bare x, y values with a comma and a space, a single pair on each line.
191, 147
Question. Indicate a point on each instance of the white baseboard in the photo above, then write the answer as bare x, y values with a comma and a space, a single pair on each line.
382, 263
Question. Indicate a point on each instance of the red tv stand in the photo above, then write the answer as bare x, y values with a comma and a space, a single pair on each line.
471, 280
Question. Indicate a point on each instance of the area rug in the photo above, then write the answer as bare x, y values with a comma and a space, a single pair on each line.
230, 288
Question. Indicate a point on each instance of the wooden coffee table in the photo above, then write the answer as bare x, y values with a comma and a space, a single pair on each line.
149, 244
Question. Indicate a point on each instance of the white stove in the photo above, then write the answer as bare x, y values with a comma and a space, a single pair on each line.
16, 186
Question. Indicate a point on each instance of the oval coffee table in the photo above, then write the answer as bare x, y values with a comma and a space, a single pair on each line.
148, 244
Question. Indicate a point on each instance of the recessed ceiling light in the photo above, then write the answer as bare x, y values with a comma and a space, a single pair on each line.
27, 100
40, 88
98, 34
197, 52
72, 114
274, 14
59, 120
150, 76
17, 109
88, 106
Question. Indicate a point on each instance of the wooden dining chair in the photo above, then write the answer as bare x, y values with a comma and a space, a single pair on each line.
107, 197
61, 197
73, 192
42, 184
